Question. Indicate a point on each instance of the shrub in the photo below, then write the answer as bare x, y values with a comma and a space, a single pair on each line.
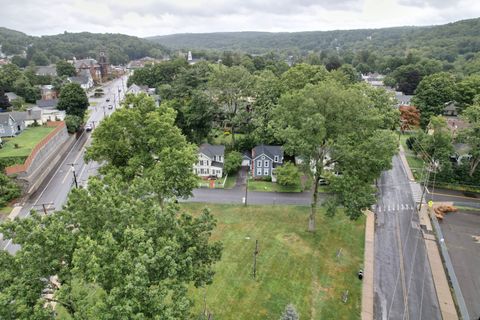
233, 162
9, 190
73, 123
288, 175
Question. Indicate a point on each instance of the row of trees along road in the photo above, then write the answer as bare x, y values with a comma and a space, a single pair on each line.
326, 117
121, 249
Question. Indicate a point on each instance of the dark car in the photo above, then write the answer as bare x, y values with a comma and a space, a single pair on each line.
88, 127
110, 106
108, 100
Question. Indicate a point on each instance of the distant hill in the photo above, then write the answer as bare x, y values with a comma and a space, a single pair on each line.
438, 41
120, 48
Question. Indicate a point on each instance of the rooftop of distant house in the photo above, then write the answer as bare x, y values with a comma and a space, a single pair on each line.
211, 150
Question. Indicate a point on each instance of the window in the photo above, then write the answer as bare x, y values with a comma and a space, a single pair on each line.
265, 172
266, 164
201, 162
275, 159
259, 172
263, 157
259, 163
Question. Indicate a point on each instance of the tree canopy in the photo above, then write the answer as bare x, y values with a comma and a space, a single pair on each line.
73, 100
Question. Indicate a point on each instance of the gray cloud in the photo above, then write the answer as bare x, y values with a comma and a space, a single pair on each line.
154, 17
430, 3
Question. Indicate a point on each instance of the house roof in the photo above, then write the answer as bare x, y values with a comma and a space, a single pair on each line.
269, 151
82, 63
210, 150
450, 106
247, 155
79, 79
33, 114
11, 96
4, 117
50, 103
50, 70
137, 89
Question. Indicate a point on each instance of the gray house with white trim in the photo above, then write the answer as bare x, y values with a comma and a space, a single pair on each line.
265, 159
10, 127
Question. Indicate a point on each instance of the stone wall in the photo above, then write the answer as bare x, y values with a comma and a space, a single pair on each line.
44, 157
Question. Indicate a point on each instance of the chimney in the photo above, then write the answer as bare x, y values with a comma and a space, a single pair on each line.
29, 111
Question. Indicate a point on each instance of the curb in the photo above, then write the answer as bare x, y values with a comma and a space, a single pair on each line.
440, 280
368, 261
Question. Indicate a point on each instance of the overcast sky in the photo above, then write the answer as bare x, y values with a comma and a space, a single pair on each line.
159, 17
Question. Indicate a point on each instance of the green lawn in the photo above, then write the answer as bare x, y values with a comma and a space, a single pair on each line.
265, 186
5, 211
293, 265
26, 141
231, 181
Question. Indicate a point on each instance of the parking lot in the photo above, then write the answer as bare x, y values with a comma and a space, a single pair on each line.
458, 229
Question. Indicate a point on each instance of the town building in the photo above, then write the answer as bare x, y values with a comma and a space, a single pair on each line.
265, 159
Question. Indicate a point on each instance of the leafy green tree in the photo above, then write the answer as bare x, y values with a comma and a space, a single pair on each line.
466, 90
233, 162
324, 123
20, 61
18, 104
9, 190
299, 75
267, 91
24, 88
195, 115
40, 59
4, 102
73, 123
117, 254
232, 87
9, 73
471, 136
407, 78
65, 68
432, 93
73, 100
384, 102
288, 175
158, 151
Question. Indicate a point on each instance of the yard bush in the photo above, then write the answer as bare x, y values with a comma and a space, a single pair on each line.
288, 175
233, 162
9, 190
73, 123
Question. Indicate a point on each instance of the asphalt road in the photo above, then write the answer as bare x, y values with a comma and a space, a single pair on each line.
53, 193
460, 198
458, 229
403, 282
236, 195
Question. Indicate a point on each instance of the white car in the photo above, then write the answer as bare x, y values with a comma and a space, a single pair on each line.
88, 128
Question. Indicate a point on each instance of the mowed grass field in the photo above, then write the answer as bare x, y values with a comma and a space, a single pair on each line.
293, 265
26, 141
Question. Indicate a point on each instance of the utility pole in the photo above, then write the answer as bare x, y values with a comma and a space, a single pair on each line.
104, 113
246, 190
255, 253
425, 184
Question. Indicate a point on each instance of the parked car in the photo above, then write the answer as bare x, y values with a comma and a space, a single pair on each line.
108, 100
110, 106
88, 128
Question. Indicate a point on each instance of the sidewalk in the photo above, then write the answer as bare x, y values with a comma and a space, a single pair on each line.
442, 286
368, 261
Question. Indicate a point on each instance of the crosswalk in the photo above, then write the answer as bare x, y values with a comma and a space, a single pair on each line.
392, 207
416, 191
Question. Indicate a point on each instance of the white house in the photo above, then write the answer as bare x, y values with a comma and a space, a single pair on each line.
210, 161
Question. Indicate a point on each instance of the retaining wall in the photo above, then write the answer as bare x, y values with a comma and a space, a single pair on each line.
43, 158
